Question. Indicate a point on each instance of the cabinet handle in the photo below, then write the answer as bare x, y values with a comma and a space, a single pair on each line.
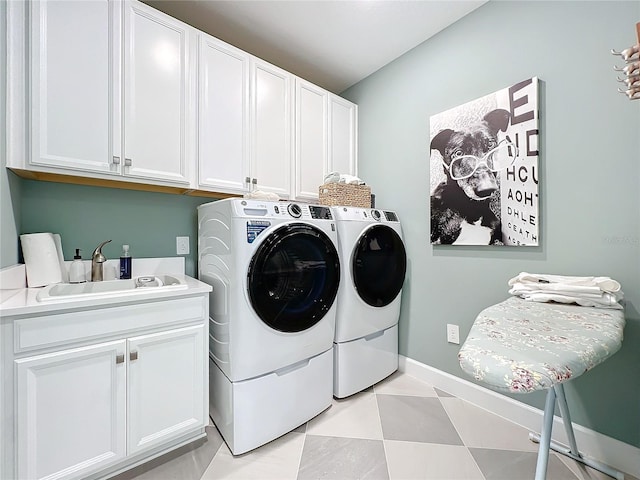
127, 162
120, 358
254, 181
116, 160
247, 180
133, 355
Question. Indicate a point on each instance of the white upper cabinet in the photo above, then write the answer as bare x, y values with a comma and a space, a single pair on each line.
326, 138
117, 90
75, 88
343, 136
156, 95
223, 116
81, 85
271, 126
311, 145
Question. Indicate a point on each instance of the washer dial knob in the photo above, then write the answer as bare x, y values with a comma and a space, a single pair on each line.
294, 210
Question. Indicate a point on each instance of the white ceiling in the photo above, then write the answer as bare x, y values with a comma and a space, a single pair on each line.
332, 43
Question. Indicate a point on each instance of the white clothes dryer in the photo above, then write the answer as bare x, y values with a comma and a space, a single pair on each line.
275, 271
374, 263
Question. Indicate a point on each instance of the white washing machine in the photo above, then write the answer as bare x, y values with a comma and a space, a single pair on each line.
374, 263
275, 271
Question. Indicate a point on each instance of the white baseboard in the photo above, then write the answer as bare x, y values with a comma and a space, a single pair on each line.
597, 446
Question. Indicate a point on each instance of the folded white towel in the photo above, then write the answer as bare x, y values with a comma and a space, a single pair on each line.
336, 177
600, 292
557, 287
333, 177
605, 301
604, 284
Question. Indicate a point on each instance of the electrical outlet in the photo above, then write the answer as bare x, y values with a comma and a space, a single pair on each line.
453, 334
182, 245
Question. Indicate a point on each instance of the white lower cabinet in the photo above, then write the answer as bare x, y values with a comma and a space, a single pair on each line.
71, 411
165, 388
97, 391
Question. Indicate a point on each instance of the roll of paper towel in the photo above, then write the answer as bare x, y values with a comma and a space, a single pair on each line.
41, 259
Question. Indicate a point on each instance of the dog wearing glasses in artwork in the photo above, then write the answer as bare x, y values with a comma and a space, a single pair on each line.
461, 209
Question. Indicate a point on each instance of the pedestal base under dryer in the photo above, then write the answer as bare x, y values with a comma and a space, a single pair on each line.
360, 363
253, 412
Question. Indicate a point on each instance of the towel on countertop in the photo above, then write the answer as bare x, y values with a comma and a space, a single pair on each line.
600, 292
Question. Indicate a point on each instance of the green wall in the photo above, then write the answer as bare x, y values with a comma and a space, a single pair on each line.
86, 216
590, 169
9, 183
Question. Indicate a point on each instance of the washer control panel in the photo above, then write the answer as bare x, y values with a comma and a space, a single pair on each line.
321, 213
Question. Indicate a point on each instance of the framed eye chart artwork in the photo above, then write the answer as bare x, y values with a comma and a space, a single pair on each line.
484, 170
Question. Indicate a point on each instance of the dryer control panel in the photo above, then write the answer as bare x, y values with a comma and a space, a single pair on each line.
364, 214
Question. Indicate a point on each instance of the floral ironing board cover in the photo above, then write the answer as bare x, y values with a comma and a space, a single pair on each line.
521, 346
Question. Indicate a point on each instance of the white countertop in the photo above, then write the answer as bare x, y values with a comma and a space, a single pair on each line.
22, 301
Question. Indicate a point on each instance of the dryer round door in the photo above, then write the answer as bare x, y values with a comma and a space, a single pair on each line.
293, 277
379, 265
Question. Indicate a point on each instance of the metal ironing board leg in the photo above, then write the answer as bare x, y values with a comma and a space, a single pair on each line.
545, 436
566, 419
546, 444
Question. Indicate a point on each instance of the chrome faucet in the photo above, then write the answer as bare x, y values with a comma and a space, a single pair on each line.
97, 263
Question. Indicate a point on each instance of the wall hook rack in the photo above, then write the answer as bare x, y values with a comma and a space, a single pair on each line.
631, 70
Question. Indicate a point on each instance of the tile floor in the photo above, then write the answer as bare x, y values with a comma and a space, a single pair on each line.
402, 428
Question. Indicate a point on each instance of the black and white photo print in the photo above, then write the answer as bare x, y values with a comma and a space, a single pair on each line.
484, 170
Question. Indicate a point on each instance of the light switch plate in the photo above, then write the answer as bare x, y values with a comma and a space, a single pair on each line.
182, 245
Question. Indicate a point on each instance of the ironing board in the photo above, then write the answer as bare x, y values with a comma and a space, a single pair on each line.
519, 346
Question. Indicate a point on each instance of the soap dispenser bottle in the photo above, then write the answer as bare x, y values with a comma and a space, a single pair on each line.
125, 263
76, 271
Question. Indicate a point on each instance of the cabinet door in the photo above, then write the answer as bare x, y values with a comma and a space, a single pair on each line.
223, 122
311, 140
167, 396
156, 95
343, 136
71, 411
75, 87
271, 128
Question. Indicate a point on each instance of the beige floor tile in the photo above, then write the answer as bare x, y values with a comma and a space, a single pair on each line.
416, 419
277, 460
400, 383
355, 417
334, 458
482, 429
429, 461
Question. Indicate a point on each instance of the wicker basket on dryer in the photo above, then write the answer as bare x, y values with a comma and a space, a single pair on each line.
345, 194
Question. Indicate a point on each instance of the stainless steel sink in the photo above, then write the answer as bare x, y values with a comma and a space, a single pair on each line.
109, 288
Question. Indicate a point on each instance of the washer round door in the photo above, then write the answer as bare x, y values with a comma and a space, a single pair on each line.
293, 277
379, 265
